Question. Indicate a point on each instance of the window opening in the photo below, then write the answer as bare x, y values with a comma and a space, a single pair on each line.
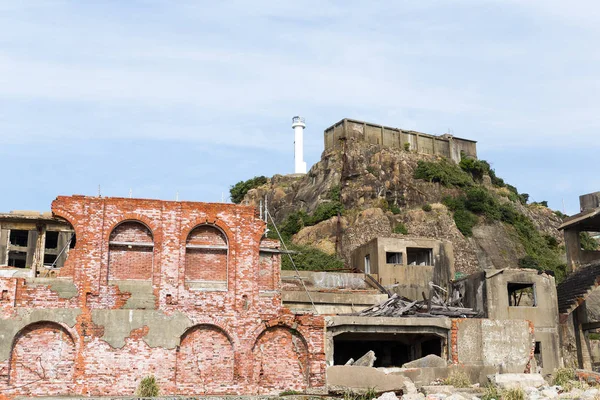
393, 257
537, 354
51, 240
17, 259
521, 295
49, 259
419, 256
19, 238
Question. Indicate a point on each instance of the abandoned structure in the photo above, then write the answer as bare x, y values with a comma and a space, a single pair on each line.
192, 294
188, 292
448, 146
579, 291
406, 265
35, 241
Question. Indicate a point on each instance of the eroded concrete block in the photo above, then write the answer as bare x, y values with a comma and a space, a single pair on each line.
509, 381
368, 360
429, 361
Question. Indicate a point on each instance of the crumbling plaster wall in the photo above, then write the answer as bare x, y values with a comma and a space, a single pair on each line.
117, 332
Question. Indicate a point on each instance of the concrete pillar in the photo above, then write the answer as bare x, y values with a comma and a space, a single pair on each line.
4, 236
31, 242
63, 239
417, 142
573, 248
39, 249
589, 201
584, 358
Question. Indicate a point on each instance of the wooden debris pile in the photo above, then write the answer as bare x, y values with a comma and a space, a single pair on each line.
437, 305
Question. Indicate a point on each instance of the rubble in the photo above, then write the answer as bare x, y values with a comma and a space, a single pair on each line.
428, 361
510, 381
435, 306
365, 361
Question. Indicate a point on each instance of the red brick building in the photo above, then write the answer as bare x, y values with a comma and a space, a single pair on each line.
187, 292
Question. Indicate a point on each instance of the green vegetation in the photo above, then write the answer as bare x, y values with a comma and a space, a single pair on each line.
560, 214
289, 392
335, 193
513, 394
587, 242
406, 146
297, 220
239, 190
542, 203
400, 228
562, 376
492, 392
310, 258
477, 168
148, 387
458, 379
372, 170
395, 209
444, 172
370, 394
426, 207
542, 251
594, 336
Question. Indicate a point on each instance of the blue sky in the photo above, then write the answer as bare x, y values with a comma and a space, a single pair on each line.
190, 97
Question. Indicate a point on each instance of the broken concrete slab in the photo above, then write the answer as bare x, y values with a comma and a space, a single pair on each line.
429, 361
388, 396
350, 361
510, 381
340, 378
368, 360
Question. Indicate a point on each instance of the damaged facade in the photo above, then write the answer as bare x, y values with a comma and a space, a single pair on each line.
187, 292
192, 293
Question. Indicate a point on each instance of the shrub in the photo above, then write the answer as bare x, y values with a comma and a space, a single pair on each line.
444, 172
400, 228
587, 242
372, 170
324, 211
476, 168
406, 146
239, 190
395, 209
492, 392
292, 224
551, 241
528, 262
465, 221
426, 207
523, 198
148, 387
513, 394
458, 379
562, 376
310, 258
334, 193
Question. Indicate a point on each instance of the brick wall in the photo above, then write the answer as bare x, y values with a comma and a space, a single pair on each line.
235, 341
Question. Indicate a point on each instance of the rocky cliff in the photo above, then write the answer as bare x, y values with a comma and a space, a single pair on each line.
380, 196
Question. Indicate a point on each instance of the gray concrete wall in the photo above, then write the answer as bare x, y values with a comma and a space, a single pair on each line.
444, 145
4, 234
407, 280
544, 315
495, 343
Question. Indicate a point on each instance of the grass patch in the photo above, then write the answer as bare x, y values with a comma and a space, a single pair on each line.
426, 207
400, 228
458, 379
369, 394
562, 376
148, 387
513, 394
290, 392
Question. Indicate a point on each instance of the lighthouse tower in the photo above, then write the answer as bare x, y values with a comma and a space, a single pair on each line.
298, 124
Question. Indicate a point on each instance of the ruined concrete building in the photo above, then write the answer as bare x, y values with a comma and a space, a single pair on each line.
453, 148
191, 293
105, 291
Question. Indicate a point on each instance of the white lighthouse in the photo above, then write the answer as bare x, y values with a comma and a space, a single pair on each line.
298, 124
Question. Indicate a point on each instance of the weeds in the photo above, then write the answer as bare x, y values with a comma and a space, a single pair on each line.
458, 379
148, 387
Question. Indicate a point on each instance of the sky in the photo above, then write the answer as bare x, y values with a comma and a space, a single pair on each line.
183, 99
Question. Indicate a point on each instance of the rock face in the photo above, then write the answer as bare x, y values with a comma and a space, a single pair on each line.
372, 181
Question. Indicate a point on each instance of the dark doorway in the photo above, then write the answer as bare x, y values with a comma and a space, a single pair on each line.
391, 350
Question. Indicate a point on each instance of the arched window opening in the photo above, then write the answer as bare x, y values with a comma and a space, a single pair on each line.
130, 252
206, 258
